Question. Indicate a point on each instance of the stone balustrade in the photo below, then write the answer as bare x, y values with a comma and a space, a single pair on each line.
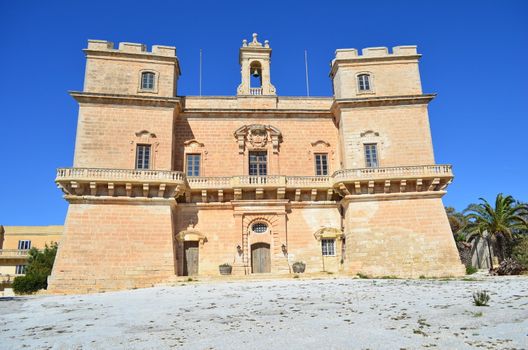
272, 181
209, 182
121, 182
393, 172
133, 175
167, 184
14, 253
255, 91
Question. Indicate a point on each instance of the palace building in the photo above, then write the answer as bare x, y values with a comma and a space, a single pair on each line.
164, 185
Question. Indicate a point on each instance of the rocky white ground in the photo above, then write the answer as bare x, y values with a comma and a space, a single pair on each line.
280, 314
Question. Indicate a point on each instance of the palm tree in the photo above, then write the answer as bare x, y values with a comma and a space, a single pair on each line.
457, 221
497, 222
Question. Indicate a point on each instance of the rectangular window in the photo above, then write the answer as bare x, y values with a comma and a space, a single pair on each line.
364, 82
371, 155
193, 164
147, 81
20, 269
328, 247
258, 163
142, 156
24, 245
321, 164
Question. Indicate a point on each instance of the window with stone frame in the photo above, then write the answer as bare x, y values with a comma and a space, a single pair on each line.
147, 80
258, 163
20, 269
364, 83
371, 155
321, 164
143, 153
193, 164
328, 247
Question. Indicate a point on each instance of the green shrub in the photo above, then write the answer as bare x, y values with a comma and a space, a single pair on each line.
481, 298
362, 276
470, 270
38, 269
520, 252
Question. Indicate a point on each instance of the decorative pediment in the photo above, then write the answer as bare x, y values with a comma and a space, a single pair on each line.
320, 143
145, 133
257, 136
369, 133
193, 143
191, 235
328, 233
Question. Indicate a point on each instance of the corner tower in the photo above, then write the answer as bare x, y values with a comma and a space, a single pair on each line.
394, 219
255, 61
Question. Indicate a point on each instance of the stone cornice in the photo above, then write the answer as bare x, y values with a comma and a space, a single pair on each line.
261, 113
358, 102
89, 199
128, 100
392, 196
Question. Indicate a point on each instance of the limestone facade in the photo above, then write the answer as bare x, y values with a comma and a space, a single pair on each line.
165, 185
15, 242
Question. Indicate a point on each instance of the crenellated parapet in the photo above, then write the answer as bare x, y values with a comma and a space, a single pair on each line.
376, 72
131, 69
382, 52
130, 48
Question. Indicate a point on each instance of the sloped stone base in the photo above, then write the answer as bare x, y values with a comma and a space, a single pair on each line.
113, 246
400, 237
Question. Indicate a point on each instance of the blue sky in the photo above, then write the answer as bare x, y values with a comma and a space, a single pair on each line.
474, 56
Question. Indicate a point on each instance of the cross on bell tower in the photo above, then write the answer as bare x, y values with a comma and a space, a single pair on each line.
254, 61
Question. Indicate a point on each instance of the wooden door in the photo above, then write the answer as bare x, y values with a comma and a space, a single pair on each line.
260, 258
190, 261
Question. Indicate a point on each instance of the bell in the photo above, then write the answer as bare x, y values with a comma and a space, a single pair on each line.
255, 73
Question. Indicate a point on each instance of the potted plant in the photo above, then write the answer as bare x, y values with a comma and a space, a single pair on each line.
225, 269
298, 267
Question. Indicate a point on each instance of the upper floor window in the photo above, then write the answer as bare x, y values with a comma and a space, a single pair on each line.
147, 81
371, 155
328, 247
258, 163
364, 82
193, 164
142, 156
24, 245
20, 269
321, 164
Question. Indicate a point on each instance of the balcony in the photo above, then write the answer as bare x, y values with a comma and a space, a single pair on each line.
120, 182
272, 181
393, 173
161, 184
12, 255
392, 180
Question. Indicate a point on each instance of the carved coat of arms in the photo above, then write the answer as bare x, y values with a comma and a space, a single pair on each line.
258, 136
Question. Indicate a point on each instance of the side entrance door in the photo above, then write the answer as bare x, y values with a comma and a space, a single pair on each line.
260, 258
190, 261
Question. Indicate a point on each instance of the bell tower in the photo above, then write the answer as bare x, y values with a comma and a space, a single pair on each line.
254, 61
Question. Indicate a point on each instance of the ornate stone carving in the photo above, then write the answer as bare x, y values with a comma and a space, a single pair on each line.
257, 136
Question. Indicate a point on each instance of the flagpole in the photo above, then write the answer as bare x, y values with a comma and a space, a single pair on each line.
306, 69
200, 72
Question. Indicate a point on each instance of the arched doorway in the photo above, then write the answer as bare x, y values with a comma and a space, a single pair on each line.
260, 258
